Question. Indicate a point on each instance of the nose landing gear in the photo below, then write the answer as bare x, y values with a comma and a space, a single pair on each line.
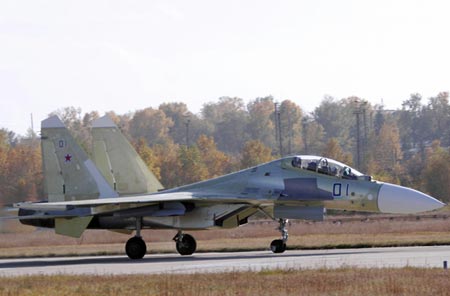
279, 245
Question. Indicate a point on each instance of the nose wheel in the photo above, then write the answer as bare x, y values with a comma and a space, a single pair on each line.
185, 243
279, 245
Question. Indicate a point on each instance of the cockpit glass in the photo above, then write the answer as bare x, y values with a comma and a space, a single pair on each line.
325, 166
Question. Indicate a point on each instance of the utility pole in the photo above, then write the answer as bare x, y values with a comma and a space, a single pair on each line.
32, 127
361, 142
305, 124
290, 133
275, 121
357, 112
278, 128
188, 120
366, 128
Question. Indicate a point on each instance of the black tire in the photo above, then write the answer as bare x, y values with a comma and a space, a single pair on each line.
135, 248
278, 246
187, 245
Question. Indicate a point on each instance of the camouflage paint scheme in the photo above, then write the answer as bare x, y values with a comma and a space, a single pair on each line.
116, 190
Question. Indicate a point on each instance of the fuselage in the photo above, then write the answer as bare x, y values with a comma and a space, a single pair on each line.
296, 187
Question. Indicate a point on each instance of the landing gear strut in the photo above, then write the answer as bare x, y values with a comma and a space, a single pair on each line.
135, 246
279, 245
185, 243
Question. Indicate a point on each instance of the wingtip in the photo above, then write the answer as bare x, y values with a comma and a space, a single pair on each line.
52, 122
104, 121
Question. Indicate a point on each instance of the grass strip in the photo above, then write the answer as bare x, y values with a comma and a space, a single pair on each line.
118, 249
343, 281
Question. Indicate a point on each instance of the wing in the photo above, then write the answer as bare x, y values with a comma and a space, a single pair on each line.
80, 208
98, 206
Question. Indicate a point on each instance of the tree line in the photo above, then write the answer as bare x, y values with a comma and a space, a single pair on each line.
407, 146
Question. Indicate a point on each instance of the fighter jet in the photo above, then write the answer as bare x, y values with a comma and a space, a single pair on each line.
116, 191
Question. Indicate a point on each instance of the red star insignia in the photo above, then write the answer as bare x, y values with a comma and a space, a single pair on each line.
68, 157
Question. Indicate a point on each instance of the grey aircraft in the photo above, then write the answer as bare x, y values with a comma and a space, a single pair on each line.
116, 191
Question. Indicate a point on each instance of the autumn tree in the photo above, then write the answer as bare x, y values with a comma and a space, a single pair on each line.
379, 119
385, 154
439, 110
4, 147
149, 158
334, 151
291, 127
337, 119
167, 161
216, 162
191, 166
348, 120
227, 122
20, 170
152, 125
420, 124
255, 153
313, 137
261, 123
409, 122
436, 173
186, 125
228, 135
179, 114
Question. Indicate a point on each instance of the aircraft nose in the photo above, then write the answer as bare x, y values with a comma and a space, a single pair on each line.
401, 200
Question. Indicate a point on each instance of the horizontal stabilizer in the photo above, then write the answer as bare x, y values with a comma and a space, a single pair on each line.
70, 205
73, 227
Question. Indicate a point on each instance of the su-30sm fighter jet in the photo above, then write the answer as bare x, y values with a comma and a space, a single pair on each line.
116, 191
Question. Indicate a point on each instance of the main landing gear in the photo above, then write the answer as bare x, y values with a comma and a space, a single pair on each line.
136, 247
185, 243
279, 245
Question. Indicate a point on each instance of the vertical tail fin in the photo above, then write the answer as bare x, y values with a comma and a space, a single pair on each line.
119, 162
68, 172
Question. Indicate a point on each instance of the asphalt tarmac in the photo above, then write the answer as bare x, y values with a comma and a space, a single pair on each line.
428, 257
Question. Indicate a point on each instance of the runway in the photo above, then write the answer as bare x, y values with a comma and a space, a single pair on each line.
428, 257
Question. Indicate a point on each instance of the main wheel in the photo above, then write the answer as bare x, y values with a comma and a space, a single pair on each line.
187, 245
278, 246
135, 248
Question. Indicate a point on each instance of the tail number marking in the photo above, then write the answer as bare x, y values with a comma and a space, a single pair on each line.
337, 189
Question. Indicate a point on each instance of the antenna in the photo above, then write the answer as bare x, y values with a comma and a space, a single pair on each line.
32, 125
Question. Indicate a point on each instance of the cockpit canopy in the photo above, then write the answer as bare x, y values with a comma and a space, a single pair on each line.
327, 166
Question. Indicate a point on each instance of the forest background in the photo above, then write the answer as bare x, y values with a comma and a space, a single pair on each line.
408, 146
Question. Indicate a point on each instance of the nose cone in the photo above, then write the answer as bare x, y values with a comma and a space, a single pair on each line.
402, 200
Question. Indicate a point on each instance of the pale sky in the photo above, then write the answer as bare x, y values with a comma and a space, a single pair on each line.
128, 55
